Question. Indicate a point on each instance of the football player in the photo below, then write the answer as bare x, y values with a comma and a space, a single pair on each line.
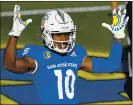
55, 65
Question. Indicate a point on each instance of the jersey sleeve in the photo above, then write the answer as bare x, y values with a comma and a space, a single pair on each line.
29, 51
81, 53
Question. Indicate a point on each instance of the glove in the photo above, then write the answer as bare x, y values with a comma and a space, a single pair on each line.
18, 24
119, 23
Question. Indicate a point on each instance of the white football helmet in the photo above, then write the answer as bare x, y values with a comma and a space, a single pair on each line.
57, 21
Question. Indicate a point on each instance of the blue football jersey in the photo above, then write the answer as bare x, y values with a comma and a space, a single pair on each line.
55, 76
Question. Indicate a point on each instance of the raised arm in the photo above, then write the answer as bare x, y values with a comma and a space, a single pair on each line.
10, 62
112, 63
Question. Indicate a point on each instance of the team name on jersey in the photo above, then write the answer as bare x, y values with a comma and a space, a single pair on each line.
65, 64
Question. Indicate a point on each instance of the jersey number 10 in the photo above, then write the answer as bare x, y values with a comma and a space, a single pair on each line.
69, 94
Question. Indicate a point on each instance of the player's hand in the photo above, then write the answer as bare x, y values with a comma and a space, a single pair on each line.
119, 23
18, 24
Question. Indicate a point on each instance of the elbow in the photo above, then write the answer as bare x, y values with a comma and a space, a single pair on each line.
114, 67
8, 67
12, 68
8, 64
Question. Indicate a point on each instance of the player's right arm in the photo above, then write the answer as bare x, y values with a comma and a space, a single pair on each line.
9, 59
16, 65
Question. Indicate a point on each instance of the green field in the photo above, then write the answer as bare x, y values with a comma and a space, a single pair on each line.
90, 33
8, 6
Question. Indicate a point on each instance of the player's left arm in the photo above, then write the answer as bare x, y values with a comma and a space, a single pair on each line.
110, 64
113, 62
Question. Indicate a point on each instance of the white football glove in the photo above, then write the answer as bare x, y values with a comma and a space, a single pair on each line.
119, 23
18, 24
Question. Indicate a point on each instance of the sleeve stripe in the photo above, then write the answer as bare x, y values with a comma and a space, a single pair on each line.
32, 72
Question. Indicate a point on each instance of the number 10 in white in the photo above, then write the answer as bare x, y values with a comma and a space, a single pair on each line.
69, 72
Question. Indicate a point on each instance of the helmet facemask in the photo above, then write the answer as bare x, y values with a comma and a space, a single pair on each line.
59, 46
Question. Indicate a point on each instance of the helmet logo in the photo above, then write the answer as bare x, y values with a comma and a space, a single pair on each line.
61, 15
